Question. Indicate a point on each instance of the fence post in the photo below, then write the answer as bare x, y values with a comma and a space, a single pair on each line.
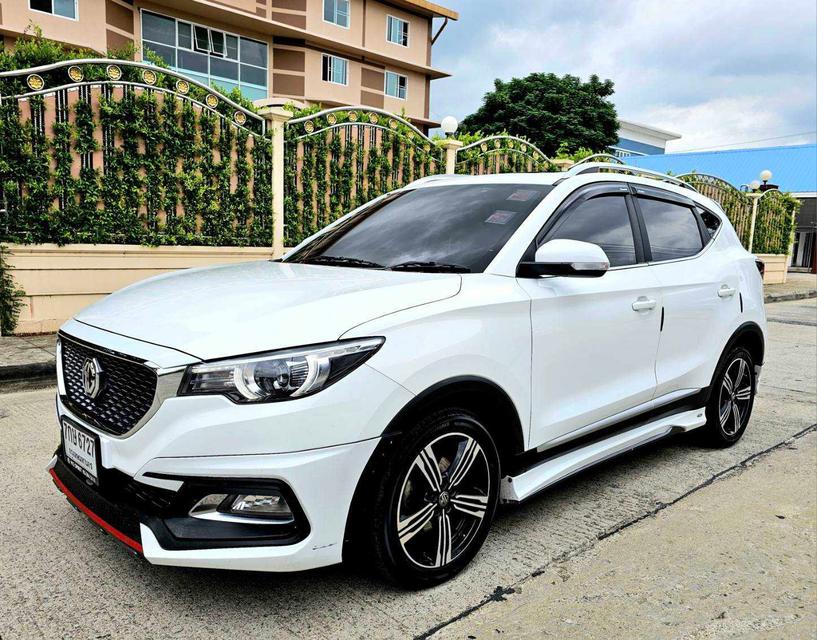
450, 147
276, 118
755, 197
563, 164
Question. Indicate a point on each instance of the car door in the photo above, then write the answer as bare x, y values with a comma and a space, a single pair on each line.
594, 339
700, 290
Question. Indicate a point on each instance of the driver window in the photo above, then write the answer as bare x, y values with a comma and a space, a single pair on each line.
604, 221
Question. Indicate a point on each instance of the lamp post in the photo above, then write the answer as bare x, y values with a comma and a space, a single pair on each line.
450, 145
758, 191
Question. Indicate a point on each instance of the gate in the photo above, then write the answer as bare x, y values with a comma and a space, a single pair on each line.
338, 159
113, 151
500, 154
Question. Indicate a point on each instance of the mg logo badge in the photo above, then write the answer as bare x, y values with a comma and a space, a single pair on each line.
91, 377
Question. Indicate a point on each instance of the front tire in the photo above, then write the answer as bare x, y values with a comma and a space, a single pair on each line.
731, 400
435, 501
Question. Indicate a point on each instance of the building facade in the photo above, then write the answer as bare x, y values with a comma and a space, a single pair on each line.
330, 52
636, 139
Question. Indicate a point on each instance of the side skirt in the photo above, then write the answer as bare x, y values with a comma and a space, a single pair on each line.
547, 472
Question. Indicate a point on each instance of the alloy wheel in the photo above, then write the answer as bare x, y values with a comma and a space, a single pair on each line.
443, 500
735, 396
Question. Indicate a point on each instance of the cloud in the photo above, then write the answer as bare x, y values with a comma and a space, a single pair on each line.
717, 73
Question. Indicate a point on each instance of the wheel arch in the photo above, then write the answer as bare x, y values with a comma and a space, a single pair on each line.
750, 336
485, 398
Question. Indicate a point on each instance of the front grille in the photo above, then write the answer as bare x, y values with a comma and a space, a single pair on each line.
127, 392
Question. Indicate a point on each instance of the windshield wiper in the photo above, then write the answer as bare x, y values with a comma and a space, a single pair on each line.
442, 267
343, 262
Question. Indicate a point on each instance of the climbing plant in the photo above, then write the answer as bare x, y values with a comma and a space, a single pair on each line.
11, 297
135, 155
338, 159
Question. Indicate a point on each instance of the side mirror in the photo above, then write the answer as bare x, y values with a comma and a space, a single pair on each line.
566, 258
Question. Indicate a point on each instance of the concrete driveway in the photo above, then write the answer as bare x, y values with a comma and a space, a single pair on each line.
60, 577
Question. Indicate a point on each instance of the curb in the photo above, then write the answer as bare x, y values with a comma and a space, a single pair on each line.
22, 377
794, 295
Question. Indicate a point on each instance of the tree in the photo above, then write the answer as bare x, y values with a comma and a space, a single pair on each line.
549, 111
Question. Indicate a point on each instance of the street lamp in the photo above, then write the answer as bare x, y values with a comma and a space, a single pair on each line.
766, 175
449, 126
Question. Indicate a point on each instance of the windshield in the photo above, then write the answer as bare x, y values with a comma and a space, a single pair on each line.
458, 228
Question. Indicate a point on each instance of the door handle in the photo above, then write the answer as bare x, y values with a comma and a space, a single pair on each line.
644, 304
726, 291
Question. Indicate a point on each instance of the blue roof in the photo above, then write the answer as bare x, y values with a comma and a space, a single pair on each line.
794, 168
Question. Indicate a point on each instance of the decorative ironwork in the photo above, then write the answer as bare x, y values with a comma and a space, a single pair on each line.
339, 158
35, 82
735, 203
149, 76
601, 157
152, 145
500, 154
75, 73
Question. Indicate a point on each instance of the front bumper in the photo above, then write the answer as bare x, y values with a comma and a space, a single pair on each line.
152, 521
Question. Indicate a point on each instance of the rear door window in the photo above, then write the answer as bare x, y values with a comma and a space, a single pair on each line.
672, 229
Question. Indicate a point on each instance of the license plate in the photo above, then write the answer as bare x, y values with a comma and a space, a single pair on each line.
81, 450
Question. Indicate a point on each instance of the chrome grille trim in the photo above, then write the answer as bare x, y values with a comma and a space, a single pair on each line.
166, 386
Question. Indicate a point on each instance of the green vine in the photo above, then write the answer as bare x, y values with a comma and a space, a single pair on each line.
11, 297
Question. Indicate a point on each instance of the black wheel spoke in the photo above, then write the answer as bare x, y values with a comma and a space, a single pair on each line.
735, 396
444, 500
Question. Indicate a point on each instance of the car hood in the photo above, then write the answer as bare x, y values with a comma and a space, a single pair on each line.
217, 312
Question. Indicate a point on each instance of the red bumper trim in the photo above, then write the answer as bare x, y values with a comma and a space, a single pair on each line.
116, 533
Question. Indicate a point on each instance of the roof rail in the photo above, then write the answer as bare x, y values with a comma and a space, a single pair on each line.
597, 167
435, 178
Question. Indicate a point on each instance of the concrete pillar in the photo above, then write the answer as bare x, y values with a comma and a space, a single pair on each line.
562, 164
276, 118
450, 146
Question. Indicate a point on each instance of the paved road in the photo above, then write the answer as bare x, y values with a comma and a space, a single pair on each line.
736, 559
59, 577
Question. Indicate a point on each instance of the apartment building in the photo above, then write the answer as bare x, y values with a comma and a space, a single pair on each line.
332, 52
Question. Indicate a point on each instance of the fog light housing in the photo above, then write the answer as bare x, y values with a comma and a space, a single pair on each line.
269, 505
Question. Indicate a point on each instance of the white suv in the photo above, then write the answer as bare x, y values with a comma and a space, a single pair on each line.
460, 342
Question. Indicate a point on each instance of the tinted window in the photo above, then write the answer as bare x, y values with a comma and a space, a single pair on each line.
603, 221
710, 220
462, 225
672, 229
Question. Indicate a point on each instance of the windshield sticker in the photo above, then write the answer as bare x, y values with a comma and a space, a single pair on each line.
500, 217
522, 195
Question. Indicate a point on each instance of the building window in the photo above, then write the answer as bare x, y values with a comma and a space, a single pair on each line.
396, 85
336, 12
64, 8
335, 69
211, 56
397, 31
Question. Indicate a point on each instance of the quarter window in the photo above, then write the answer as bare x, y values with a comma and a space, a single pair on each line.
210, 56
397, 31
396, 85
64, 8
335, 69
672, 229
604, 221
711, 221
336, 12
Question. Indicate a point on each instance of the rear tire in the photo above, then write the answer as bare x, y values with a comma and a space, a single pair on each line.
435, 498
732, 398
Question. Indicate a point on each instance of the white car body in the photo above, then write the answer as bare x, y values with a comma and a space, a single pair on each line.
572, 355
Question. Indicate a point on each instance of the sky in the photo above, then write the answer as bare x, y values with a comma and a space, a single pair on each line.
724, 74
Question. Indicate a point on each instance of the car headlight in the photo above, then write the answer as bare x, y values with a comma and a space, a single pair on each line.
279, 375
